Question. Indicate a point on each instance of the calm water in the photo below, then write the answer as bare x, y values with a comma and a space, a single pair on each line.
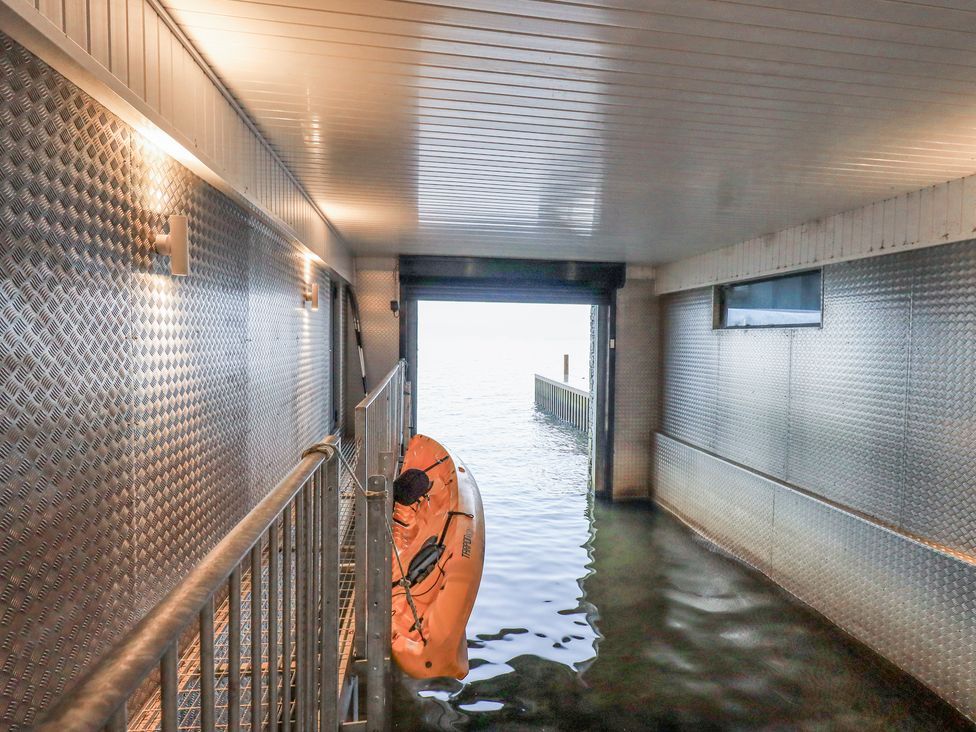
600, 617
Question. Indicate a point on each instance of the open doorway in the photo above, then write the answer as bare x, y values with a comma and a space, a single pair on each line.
478, 363
476, 369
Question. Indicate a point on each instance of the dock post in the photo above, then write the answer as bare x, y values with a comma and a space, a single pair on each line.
566, 368
378, 602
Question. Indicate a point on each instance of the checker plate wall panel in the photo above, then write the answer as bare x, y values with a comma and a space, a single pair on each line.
734, 510
289, 387
65, 384
273, 332
375, 288
690, 368
189, 365
914, 605
909, 602
313, 362
880, 399
941, 440
848, 389
880, 422
130, 442
752, 402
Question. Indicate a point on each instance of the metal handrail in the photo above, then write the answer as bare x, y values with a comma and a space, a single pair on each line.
380, 436
103, 691
380, 388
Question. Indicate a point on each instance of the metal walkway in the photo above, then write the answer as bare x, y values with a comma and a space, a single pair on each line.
149, 717
261, 633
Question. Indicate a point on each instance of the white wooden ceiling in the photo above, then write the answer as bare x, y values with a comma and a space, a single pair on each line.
608, 129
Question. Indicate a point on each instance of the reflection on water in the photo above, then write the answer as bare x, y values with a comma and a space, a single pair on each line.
614, 617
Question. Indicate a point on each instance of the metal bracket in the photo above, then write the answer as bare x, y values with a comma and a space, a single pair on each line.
388, 465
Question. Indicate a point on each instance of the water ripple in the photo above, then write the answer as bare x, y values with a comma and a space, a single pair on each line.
600, 617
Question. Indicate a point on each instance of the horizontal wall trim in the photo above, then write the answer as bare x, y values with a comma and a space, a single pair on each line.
939, 214
834, 505
222, 144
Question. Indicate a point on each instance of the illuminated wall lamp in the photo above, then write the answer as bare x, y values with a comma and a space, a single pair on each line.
176, 246
311, 294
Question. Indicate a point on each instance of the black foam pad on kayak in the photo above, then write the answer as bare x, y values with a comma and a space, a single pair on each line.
410, 486
425, 561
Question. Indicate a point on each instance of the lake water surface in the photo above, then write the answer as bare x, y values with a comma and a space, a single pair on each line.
594, 616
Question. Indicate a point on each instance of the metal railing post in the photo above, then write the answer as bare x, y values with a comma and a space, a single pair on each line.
274, 572
301, 632
328, 712
257, 699
378, 623
287, 647
168, 686
362, 561
234, 653
388, 466
407, 412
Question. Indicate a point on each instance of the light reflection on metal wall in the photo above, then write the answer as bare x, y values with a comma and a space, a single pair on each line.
873, 412
142, 414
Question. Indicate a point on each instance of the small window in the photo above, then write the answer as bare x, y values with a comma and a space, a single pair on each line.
788, 301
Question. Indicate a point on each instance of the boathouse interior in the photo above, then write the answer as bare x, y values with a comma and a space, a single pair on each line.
218, 217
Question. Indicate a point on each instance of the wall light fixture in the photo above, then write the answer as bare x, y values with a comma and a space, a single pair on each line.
311, 294
176, 246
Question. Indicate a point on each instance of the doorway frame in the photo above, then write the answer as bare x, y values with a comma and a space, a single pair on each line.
487, 279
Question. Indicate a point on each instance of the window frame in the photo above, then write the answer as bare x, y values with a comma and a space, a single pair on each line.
719, 309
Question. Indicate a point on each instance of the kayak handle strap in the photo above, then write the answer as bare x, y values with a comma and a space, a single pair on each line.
447, 524
435, 464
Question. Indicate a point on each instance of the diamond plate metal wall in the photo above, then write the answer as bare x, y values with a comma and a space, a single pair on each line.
940, 498
873, 412
752, 402
189, 368
848, 389
289, 385
142, 415
375, 288
912, 604
689, 368
735, 509
65, 384
341, 358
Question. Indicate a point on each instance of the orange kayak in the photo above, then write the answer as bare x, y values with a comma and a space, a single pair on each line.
439, 533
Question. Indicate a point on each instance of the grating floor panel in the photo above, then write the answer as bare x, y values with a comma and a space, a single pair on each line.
148, 718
